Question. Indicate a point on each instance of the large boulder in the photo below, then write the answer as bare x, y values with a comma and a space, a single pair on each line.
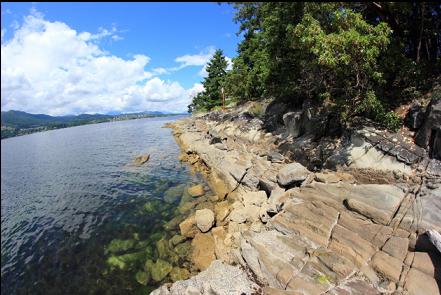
291, 174
429, 135
204, 219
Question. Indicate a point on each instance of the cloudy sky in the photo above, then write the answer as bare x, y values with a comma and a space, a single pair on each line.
72, 58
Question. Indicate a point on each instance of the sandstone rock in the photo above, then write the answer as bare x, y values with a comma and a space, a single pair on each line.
196, 190
292, 173
375, 233
334, 177
351, 245
219, 278
396, 247
418, 283
220, 248
188, 227
203, 250
139, 160
238, 215
254, 198
388, 266
427, 263
269, 252
221, 211
313, 220
368, 211
204, 219
354, 287
252, 212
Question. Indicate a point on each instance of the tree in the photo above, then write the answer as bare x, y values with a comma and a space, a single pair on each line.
347, 59
211, 96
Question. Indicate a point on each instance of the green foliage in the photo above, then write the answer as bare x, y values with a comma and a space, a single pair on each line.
215, 80
345, 60
363, 57
257, 110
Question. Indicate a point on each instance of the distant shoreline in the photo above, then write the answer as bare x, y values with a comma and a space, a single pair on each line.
26, 131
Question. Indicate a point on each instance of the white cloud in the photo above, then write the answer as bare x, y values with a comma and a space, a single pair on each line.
48, 67
195, 59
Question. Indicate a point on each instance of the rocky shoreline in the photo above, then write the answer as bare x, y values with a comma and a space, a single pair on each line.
352, 222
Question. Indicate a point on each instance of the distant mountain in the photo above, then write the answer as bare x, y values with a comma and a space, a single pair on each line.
15, 123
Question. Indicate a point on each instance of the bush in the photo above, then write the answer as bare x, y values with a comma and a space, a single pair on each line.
257, 110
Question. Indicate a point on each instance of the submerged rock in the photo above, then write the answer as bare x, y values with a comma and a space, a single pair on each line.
196, 190
139, 160
178, 274
204, 219
118, 246
176, 239
174, 193
183, 250
142, 277
159, 270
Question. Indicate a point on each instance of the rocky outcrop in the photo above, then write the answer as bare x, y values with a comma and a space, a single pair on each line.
357, 229
219, 278
429, 135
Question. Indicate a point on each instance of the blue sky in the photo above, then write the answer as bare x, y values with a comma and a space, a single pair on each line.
157, 49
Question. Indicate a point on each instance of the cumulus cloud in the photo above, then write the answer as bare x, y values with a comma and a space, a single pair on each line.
199, 59
48, 67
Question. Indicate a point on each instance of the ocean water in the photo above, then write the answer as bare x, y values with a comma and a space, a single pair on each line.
67, 194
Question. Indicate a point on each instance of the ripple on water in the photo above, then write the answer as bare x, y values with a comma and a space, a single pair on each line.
66, 194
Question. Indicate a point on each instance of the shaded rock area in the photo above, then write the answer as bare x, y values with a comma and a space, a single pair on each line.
292, 225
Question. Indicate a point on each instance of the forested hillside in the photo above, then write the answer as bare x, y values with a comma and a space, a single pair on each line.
355, 59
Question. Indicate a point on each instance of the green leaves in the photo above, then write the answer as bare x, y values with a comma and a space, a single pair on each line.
215, 80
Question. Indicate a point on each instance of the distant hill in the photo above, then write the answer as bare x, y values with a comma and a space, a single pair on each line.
15, 123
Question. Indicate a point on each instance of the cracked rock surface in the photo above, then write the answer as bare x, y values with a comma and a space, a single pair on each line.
358, 229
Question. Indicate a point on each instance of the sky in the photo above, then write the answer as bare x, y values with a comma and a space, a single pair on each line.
72, 58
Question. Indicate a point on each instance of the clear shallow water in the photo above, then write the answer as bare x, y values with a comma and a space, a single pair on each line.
66, 193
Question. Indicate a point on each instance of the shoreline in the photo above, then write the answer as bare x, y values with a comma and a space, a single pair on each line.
295, 230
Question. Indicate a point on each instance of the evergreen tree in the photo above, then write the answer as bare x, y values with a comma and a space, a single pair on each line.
215, 80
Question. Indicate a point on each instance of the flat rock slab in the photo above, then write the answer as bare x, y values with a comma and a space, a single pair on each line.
378, 202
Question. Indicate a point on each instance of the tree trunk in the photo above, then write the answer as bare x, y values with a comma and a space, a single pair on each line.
420, 38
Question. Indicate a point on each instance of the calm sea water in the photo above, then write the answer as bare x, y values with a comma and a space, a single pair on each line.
65, 194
